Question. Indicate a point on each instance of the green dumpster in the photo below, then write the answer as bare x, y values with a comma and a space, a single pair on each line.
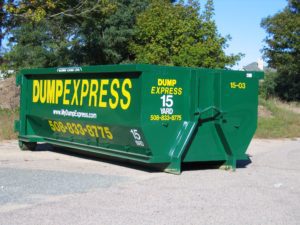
156, 115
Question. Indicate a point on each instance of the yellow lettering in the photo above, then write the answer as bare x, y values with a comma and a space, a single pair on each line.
126, 94
66, 92
50, 91
58, 90
158, 90
87, 91
93, 92
75, 94
35, 91
114, 93
102, 93
43, 91
175, 91
179, 91
159, 82
166, 82
84, 90
153, 90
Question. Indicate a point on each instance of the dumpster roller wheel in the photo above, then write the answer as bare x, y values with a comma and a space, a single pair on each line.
27, 146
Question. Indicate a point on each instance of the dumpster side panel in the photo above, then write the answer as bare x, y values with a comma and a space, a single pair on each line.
227, 130
166, 96
239, 91
101, 110
205, 144
25, 128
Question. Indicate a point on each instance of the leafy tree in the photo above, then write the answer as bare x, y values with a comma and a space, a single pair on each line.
37, 10
267, 87
73, 32
176, 34
1, 19
55, 33
283, 49
106, 41
36, 47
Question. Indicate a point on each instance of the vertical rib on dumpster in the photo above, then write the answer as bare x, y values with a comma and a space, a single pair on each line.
230, 163
180, 146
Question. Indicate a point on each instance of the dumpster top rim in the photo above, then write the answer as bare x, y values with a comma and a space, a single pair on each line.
123, 68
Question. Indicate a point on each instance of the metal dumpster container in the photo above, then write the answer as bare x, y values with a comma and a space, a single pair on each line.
151, 114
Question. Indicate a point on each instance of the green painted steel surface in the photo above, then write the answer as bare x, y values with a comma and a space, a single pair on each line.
145, 113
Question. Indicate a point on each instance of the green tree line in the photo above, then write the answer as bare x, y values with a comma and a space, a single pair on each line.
49, 33
72, 32
282, 52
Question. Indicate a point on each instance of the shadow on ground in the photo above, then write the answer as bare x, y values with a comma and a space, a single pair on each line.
136, 165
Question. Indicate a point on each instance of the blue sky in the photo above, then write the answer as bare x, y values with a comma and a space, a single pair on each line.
241, 20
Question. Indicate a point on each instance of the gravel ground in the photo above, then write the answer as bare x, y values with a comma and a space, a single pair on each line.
47, 187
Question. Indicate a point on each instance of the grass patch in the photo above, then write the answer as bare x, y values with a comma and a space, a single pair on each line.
7, 118
284, 123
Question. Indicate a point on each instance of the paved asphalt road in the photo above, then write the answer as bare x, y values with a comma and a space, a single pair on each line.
47, 187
